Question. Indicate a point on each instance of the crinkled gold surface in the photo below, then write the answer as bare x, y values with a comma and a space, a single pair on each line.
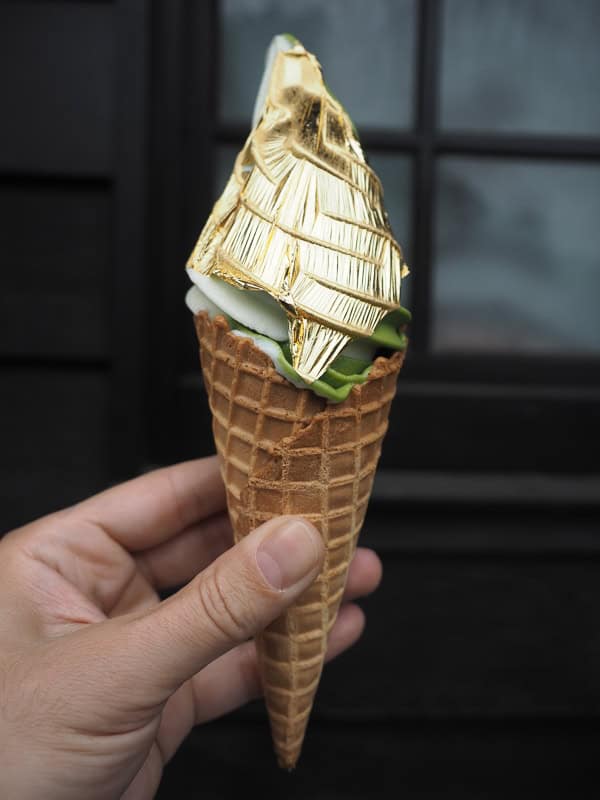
302, 218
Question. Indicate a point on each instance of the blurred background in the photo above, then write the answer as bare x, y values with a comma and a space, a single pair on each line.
479, 673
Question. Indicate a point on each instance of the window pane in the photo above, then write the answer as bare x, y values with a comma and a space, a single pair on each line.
366, 51
518, 257
521, 65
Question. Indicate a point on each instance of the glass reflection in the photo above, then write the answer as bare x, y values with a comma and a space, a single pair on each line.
521, 65
367, 53
518, 257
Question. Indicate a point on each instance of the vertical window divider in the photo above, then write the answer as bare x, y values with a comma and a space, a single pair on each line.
426, 102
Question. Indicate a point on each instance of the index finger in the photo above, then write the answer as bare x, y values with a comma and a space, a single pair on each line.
148, 510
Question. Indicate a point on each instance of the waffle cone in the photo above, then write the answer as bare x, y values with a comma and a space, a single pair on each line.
284, 450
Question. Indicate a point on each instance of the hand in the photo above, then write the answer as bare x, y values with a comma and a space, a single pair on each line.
99, 680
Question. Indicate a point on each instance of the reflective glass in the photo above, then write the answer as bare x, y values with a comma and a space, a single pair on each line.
366, 49
521, 66
517, 265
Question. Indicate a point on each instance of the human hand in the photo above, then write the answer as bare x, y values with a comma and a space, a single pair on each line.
100, 681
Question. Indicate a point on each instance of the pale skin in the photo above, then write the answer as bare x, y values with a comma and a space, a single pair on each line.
100, 682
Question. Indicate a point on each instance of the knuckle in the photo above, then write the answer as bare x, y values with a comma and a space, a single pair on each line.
223, 606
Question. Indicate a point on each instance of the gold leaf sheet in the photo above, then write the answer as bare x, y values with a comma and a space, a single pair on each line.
302, 218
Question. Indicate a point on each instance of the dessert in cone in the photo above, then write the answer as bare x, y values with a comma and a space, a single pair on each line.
297, 310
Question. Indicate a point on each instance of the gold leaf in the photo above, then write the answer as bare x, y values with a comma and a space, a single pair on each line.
302, 218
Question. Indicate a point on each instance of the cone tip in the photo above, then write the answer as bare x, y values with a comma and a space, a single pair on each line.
288, 762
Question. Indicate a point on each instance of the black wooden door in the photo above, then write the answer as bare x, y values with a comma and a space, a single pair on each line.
479, 672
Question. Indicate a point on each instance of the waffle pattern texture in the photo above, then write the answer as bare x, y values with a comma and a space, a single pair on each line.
286, 451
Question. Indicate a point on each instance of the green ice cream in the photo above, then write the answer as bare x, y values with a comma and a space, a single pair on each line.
345, 372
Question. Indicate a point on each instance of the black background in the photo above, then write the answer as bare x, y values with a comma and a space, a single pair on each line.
479, 673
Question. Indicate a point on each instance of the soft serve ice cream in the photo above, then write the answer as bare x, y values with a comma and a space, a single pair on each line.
298, 254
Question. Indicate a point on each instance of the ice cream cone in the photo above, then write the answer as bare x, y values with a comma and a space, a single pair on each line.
284, 450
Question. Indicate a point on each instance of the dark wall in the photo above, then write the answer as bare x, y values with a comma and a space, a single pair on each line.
74, 82
479, 673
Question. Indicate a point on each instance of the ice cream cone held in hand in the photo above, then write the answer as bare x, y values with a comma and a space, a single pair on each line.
296, 299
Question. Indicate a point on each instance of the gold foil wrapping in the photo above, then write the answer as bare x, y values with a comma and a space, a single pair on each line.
302, 218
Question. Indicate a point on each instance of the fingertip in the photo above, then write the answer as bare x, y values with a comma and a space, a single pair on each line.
364, 575
313, 535
290, 552
348, 629
352, 620
310, 530
372, 567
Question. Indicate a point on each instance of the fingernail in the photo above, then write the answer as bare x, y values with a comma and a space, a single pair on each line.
289, 553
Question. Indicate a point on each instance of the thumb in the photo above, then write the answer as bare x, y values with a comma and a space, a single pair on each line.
233, 599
